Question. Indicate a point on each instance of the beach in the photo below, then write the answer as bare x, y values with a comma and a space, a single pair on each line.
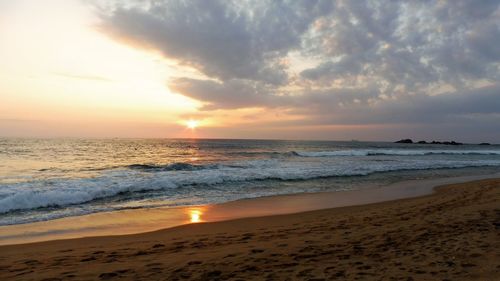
249, 140
451, 234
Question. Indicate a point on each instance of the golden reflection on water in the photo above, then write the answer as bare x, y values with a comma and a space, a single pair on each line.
195, 215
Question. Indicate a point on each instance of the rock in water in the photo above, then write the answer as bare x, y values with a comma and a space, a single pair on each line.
404, 141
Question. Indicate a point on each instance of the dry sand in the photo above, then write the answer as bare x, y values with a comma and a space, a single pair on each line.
453, 234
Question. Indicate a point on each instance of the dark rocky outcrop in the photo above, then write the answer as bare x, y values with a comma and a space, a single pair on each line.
485, 143
434, 142
404, 141
452, 143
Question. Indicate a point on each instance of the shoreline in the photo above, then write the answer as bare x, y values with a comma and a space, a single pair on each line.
451, 234
141, 221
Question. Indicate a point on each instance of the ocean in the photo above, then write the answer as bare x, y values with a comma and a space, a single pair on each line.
45, 179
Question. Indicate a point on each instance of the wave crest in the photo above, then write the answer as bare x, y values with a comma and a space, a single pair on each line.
179, 166
63, 192
393, 152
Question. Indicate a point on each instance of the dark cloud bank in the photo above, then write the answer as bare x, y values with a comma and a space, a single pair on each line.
376, 62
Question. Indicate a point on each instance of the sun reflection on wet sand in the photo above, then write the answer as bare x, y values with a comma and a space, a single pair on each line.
195, 215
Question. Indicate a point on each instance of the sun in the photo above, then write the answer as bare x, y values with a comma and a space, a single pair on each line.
192, 124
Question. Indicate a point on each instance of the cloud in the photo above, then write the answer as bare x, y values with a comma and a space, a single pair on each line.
229, 94
458, 106
360, 62
223, 39
410, 45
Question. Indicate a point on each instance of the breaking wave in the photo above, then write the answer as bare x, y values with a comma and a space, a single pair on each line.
395, 152
143, 178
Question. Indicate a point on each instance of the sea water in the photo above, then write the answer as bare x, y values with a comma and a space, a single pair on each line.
43, 179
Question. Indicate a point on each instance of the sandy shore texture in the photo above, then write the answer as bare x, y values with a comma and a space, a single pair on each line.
453, 234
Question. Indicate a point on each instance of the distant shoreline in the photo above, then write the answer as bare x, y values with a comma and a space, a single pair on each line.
410, 141
206, 138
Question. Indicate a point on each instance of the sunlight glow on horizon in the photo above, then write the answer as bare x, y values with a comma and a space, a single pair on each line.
192, 124
55, 63
106, 68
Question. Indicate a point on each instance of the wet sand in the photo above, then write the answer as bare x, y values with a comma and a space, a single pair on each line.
453, 234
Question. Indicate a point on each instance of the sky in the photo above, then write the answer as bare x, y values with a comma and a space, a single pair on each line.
312, 69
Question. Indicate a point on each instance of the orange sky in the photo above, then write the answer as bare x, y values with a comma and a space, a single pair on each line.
63, 77
57, 70
73, 68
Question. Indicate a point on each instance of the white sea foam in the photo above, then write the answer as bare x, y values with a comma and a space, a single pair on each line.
395, 152
63, 192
